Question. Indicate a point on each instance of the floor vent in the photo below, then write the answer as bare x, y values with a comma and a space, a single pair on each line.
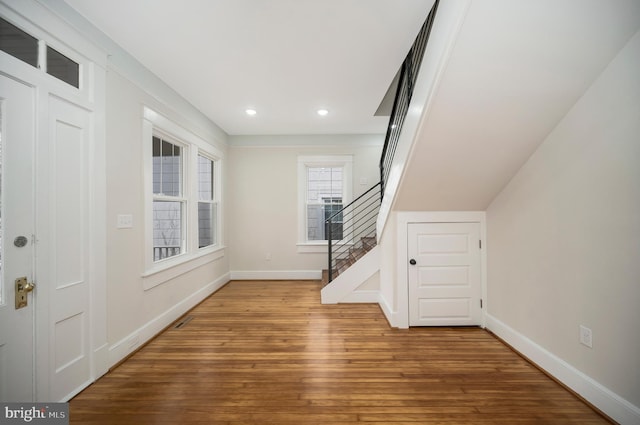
182, 322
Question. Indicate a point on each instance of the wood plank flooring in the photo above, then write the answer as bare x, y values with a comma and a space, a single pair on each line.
269, 353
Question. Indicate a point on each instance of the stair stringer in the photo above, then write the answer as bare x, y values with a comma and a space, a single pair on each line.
350, 279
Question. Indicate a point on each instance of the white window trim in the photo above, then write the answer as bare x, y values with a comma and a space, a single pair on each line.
183, 198
214, 201
158, 272
344, 161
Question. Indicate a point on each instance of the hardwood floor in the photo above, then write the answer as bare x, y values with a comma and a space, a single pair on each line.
269, 353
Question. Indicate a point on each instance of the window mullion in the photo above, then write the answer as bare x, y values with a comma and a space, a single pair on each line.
191, 185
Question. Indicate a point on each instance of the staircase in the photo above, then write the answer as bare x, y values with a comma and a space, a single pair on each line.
366, 244
356, 222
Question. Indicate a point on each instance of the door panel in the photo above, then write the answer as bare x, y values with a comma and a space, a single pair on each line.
17, 126
68, 222
444, 282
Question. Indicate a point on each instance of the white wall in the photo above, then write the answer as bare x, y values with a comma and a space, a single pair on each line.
564, 237
134, 314
263, 199
509, 72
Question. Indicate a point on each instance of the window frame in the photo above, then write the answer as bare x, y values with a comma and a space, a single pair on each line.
214, 201
158, 272
182, 198
345, 162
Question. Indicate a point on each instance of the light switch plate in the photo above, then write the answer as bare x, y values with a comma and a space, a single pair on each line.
125, 221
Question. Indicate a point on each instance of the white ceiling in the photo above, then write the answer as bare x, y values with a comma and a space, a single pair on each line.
516, 69
285, 58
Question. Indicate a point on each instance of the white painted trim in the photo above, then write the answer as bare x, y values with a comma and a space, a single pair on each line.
135, 339
311, 140
402, 275
101, 357
304, 161
157, 276
616, 407
174, 129
392, 316
404, 218
98, 226
75, 391
446, 27
276, 275
312, 248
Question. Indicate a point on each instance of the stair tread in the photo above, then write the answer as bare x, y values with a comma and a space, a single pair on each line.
354, 254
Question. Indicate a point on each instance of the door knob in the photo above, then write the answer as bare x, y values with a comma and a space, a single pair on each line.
412, 262
23, 287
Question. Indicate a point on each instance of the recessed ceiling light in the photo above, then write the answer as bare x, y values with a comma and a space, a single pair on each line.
251, 112
322, 112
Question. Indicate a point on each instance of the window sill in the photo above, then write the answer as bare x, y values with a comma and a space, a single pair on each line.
181, 264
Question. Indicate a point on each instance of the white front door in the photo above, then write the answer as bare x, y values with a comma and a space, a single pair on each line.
444, 274
53, 330
17, 112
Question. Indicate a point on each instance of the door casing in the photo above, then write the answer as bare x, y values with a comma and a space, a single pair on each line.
399, 317
444, 274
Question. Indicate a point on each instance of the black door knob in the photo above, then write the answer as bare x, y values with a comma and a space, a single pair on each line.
412, 262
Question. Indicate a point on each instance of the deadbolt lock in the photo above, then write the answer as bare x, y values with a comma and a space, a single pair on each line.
23, 287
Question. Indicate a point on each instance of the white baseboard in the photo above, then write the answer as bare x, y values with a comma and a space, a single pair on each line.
135, 339
392, 316
616, 407
276, 275
75, 392
101, 361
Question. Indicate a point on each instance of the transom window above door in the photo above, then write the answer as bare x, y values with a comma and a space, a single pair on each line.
22, 45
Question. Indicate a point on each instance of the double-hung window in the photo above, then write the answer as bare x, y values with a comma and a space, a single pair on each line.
324, 189
182, 199
169, 201
207, 203
324, 200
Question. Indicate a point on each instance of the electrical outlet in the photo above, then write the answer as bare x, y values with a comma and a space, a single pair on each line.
267, 256
586, 338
